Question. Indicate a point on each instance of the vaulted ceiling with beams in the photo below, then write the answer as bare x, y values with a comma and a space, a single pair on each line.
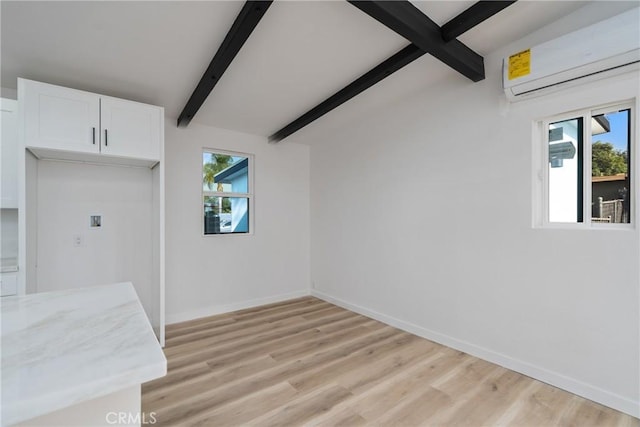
296, 54
400, 16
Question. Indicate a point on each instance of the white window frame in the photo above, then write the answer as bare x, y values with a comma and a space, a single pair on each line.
541, 181
249, 195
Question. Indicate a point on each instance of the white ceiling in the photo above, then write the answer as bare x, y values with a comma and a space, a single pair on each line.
300, 53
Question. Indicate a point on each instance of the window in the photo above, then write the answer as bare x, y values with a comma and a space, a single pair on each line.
227, 192
587, 167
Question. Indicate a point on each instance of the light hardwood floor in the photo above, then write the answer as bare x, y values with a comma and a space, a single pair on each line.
306, 361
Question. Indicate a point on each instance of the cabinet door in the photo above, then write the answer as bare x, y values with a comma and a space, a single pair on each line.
9, 154
60, 118
8, 284
130, 129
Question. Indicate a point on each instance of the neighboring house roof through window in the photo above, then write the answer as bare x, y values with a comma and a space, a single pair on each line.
227, 175
600, 124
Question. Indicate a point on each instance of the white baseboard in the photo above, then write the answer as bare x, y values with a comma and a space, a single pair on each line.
226, 308
571, 385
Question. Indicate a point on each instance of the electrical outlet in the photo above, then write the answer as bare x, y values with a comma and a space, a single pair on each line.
77, 240
96, 221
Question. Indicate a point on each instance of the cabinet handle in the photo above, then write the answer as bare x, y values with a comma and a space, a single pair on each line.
106, 139
94, 136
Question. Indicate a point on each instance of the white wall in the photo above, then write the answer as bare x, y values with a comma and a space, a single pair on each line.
8, 93
422, 216
206, 275
68, 193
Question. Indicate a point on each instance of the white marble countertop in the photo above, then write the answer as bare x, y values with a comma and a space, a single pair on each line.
65, 347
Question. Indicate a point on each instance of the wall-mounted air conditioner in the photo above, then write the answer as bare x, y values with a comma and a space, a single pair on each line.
604, 49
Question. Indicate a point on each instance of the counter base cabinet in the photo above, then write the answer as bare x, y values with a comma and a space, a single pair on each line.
8, 284
122, 408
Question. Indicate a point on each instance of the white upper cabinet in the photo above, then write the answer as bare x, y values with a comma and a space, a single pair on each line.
9, 154
71, 124
130, 129
61, 118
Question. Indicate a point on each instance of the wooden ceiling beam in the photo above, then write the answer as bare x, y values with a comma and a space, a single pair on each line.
408, 21
383, 70
362, 83
247, 20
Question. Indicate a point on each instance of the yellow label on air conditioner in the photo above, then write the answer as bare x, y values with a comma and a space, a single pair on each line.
520, 64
